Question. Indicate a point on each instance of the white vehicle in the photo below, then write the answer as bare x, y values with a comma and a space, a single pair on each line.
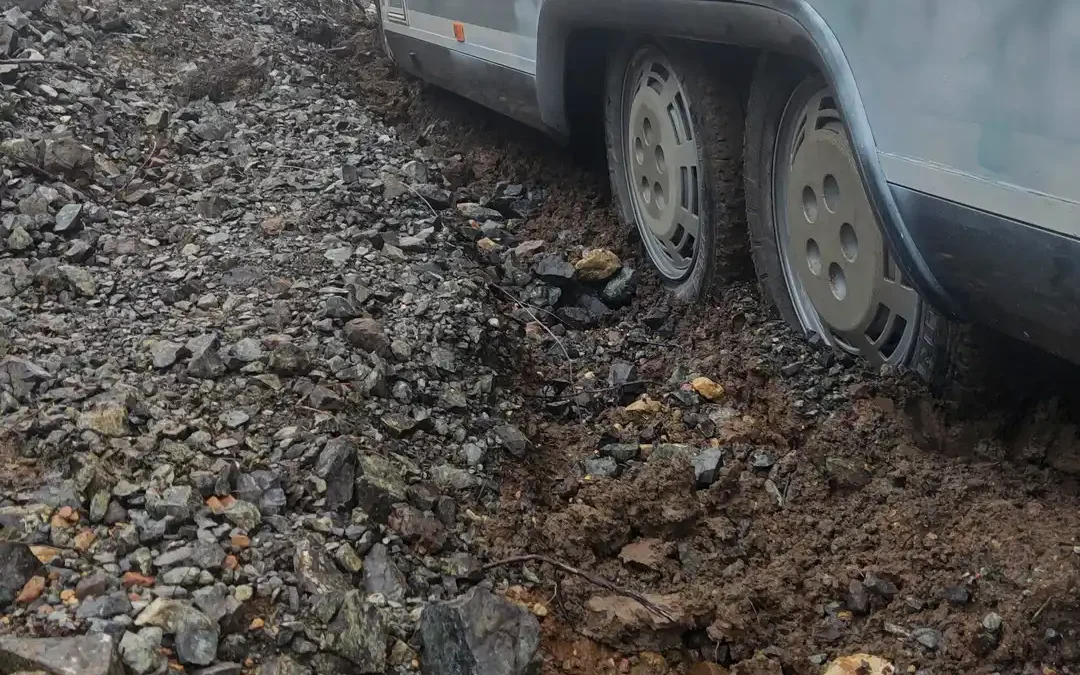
889, 167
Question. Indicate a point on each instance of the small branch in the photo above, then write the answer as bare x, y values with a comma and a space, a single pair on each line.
1039, 611
47, 62
601, 390
587, 576
142, 167
47, 174
421, 198
558, 341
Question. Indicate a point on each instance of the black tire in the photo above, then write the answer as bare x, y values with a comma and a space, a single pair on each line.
941, 349
716, 114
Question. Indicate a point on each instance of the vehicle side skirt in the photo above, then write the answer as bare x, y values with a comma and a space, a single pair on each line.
503, 89
1016, 278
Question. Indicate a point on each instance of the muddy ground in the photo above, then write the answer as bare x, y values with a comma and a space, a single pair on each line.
902, 521
845, 511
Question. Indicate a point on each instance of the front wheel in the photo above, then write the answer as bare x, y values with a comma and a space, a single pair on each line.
674, 136
817, 246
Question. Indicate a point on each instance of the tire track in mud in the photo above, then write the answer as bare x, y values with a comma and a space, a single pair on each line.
850, 511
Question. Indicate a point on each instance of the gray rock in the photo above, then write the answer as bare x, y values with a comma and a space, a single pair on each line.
178, 502
244, 515
381, 575
322, 398
511, 438
957, 594
930, 638
104, 607
367, 335
79, 279
214, 129
205, 361
554, 269
195, 633
316, 569
19, 239
20, 376
248, 350
67, 156
140, 651
448, 477
479, 633
68, 219
17, 565
358, 634
283, 665
198, 647
338, 307
262, 488
379, 486
620, 289
476, 212
207, 555
620, 452
94, 583
600, 467
706, 465
165, 353
288, 359
336, 465
84, 655
216, 601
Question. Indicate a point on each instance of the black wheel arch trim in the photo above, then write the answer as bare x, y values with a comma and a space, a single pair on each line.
790, 27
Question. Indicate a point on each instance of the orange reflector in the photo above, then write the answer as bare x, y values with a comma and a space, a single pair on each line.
459, 31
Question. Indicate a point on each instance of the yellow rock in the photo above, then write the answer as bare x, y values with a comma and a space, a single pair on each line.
84, 540
644, 405
46, 554
110, 419
488, 245
860, 664
598, 264
708, 389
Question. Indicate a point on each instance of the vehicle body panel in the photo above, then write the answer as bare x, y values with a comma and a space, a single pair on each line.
960, 114
973, 101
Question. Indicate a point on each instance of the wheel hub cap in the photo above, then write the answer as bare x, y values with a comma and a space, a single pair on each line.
844, 285
662, 165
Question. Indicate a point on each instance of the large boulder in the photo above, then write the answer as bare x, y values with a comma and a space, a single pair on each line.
17, 565
83, 655
479, 633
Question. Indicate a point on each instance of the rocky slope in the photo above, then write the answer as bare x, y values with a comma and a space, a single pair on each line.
278, 379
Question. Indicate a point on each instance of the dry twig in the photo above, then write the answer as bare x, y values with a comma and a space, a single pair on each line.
47, 174
528, 309
47, 62
587, 576
138, 172
600, 390
1039, 611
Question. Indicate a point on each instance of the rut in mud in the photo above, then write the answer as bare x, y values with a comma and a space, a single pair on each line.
849, 512
278, 324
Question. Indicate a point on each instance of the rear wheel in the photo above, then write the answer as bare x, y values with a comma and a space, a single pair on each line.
674, 135
818, 249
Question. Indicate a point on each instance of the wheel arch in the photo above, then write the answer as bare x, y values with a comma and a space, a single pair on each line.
781, 28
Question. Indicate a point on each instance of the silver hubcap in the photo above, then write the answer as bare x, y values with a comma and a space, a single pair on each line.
662, 163
843, 283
